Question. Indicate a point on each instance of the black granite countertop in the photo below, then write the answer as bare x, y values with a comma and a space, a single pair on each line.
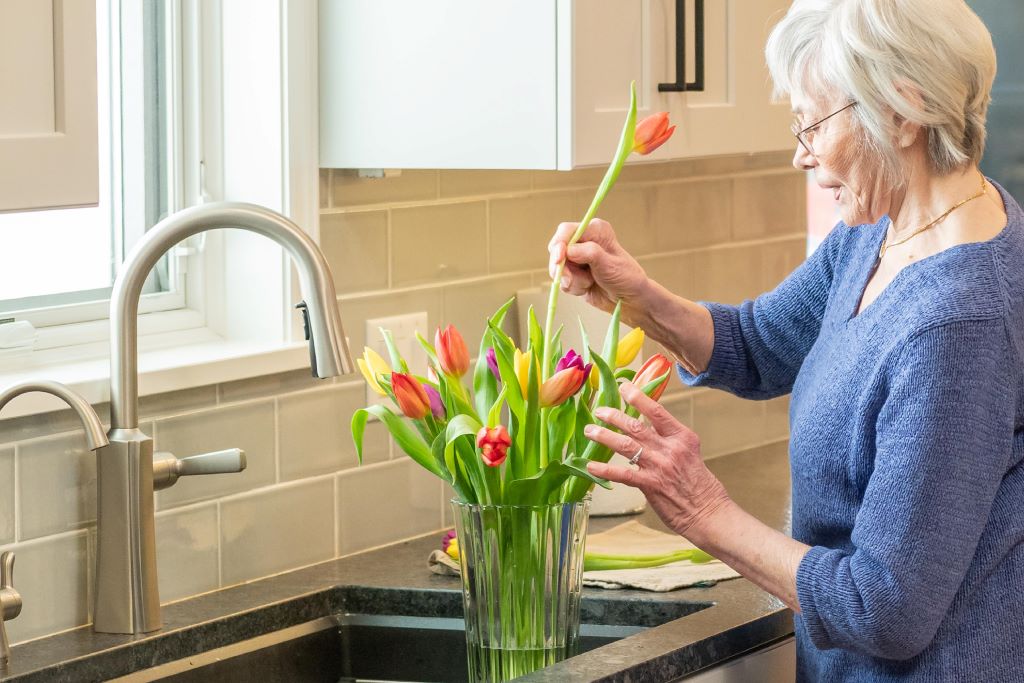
736, 616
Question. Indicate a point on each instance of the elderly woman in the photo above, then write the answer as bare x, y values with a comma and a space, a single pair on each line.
900, 340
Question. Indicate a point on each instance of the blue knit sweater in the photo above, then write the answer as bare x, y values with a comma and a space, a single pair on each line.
906, 452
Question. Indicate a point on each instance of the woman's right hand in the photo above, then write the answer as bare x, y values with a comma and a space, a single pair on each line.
597, 267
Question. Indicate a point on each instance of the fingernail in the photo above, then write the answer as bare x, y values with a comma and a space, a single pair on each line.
565, 283
600, 412
589, 430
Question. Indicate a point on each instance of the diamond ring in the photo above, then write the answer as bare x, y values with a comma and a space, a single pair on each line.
635, 460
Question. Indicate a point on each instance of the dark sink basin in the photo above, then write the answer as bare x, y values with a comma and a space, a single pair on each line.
366, 646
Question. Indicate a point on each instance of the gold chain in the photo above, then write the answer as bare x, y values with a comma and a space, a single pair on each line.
886, 244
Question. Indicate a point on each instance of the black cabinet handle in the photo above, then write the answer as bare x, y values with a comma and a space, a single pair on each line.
697, 83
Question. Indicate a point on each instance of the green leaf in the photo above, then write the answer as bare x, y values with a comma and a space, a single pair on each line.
531, 459
396, 358
407, 439
428, 347
494, 414
536, 334
625, 373
578, 468
611, 339
560, 429
609, 389
583, 418
358, 428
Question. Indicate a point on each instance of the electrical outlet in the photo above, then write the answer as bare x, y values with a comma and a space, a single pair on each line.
403, 330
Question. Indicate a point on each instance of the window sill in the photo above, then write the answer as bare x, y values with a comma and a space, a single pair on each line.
173, 361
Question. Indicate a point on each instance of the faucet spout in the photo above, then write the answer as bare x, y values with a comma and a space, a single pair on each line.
324, 330
94, 432
127, 598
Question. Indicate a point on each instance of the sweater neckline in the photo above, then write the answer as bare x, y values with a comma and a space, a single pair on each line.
1012, 217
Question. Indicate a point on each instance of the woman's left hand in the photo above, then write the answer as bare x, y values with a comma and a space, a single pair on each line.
670, 470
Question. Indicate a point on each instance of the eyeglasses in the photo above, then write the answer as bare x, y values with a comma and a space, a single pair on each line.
806, 136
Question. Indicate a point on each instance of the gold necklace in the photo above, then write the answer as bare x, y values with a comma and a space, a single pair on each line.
886, 244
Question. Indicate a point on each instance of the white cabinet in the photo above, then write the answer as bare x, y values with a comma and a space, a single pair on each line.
48, 132
538, 84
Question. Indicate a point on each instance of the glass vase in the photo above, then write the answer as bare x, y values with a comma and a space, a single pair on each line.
522, 571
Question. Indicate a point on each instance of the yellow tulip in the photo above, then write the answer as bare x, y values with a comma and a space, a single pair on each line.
629, 346
372, 365
521, 363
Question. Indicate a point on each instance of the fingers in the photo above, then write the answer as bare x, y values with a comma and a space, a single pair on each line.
556, 247
596, 235
623, 444
632, 428
620, 475
576, 280
656, 414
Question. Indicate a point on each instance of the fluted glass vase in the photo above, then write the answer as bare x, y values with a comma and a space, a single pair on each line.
522, 569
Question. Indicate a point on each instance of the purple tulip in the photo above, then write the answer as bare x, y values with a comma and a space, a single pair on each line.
436, 405
573, 360
492, 363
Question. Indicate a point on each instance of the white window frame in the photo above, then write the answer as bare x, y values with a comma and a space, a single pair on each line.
246, 325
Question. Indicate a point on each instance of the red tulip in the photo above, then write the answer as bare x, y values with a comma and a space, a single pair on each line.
411, 396
653, 368
562, 385
452, 353
651, 133
493, 444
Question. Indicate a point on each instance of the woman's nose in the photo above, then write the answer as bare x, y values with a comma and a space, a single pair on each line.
802, 159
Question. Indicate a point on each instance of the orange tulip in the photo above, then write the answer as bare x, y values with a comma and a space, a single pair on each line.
411, 396
651, 133
653, 368
562, 385
493, 444
452, 353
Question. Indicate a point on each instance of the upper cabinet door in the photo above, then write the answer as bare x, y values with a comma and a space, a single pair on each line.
48, 127
440, 84
539, 83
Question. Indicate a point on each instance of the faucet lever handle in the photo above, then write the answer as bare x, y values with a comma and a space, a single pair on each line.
167, 468
10, 604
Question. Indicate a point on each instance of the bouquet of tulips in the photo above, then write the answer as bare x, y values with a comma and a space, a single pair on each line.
516, 437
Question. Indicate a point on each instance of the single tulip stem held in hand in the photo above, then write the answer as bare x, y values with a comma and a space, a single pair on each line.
644, 138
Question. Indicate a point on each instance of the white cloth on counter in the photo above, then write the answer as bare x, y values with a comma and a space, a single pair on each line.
630, 538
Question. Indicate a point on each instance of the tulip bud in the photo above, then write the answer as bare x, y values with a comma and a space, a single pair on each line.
453, 549
562, 385
436, 404
452, 353
372, 365
447, 539
629, 346
651, 133
521, 363
493, 444
653, 368
492, 363
411, 396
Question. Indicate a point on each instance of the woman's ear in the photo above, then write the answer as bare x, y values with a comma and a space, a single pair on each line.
907, 131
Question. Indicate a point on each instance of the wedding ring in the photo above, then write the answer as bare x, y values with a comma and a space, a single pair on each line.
635, 460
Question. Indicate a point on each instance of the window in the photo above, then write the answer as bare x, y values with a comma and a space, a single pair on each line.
60, 264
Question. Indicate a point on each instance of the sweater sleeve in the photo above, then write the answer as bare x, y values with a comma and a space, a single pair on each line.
760, 345
943, 442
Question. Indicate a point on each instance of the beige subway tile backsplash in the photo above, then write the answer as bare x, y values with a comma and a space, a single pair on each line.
314, 431
188, 551
469, 305
691, 214
767, 205
52, 575
728, 275
57, 481
249, 426
385, 503
727, 424
270, 531
520, 228
628, 209
356, 247
457, 183
438, 242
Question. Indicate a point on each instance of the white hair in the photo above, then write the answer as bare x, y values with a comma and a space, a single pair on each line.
931, 62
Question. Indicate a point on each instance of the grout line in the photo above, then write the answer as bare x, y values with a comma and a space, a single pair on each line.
277, 440
487, 236
330, 188
516, 194
220, 548
17, 493
389, 248
337, 518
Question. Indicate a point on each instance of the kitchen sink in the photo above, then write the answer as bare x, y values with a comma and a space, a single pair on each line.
368, 646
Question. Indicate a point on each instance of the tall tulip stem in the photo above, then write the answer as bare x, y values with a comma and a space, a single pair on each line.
626, 146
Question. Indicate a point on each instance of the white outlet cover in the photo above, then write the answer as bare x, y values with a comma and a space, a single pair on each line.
403, 330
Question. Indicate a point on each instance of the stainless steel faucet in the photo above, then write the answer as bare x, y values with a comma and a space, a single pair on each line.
10, 599
127, 597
